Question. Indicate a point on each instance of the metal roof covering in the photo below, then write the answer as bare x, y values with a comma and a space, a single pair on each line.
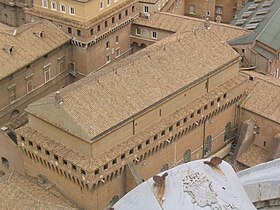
266, 27
263, 52
270, 36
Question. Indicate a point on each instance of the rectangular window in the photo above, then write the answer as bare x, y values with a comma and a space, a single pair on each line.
29, 85
133, 9
61, 64
208, 13
108, 3
107, 45
69, 30
79, 32
107, 58
91, 31
113, 20
47, 73
72, 10
106, 23
126, 12
192, 9
120, 16
13, 95
45, 3
154, 35
146, 9
53, 5
62, 8
219, 10
117, 52
83, 172
98, 28
55, 157
117, 39
101, 4
74, 167
138, 31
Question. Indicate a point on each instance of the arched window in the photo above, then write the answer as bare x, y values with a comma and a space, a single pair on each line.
187, 156
5, 162
164, 167
207, 146
227, 132
114, 200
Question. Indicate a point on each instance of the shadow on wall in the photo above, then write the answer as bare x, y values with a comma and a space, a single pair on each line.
11, 156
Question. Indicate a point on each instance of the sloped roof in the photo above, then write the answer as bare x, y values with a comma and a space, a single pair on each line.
264, 98
254, 155
179, 23
91, 164
263, 52
262, 25
194, 186
18, 192
23, 40
137, 82
270, 36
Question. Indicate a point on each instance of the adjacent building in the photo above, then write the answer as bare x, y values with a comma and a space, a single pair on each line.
19, 192
35, 59
12, 11
163, 24
99, 29
259, 122
260, 50
215, 10
162, 106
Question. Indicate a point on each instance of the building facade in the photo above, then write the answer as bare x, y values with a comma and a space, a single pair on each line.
260, 49
179, 116
216, 10
28, 71
12, 12
99, 29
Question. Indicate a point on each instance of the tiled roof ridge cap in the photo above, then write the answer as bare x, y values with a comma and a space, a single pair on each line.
202, 20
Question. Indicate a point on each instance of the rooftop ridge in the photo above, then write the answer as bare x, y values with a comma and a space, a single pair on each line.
202, 20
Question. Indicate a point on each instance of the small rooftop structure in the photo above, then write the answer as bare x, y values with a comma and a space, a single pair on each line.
194, 185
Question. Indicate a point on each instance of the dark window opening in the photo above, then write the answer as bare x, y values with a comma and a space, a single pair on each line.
105, 167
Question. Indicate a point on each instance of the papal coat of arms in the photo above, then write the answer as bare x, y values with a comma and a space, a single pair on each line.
199, 187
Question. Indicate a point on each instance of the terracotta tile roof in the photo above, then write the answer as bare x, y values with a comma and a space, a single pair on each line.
24, 50
90, 164
254, 155
179, 23
264, 98
138, 82
18, 192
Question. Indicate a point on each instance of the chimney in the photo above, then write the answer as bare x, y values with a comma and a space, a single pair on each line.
58, 99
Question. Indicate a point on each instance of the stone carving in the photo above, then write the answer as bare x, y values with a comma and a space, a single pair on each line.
199, 187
